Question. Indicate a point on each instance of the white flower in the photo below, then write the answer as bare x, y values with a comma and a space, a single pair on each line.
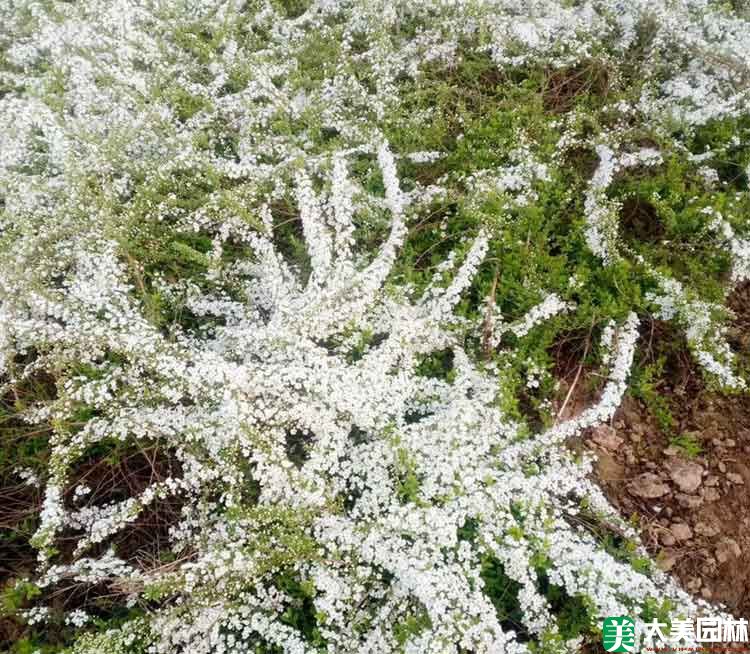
156, 162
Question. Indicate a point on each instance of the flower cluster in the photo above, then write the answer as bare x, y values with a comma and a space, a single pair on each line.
204, 221
370, 523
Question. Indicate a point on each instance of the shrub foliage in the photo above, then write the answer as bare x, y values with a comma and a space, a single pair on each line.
281, 287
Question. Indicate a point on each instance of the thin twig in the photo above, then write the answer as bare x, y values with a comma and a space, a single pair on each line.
578, 374
489, 320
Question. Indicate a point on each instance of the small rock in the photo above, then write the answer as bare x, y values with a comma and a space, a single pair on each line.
688, 501
686, 475
730, 442
608, 469
606, 437
706, 592
681, 531
722, 467
705, 529
712, 495
671, 451
648, 485
727, 549
667, 539
666, 559
735, 478
711, 480
694, 584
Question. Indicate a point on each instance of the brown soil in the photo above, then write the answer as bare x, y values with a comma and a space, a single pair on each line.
143, 544
640, 221
702, 536
686, 484
564, 86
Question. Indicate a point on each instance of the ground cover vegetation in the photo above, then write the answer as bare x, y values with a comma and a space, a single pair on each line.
285, 289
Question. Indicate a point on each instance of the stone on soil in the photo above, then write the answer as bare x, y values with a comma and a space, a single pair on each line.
648, 485
686, 475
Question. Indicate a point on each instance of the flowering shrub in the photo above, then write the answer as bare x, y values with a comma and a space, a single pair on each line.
310, 256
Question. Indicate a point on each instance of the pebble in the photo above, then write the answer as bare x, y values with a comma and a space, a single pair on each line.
727, 549
694, 584
705, 529
681, 531
666, 559
735, 478
606, 437
648, 485
686, 475
711, 495
688, 501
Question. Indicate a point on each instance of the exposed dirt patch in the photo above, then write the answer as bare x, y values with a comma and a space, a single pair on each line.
678, 459
578, 380
584, 160
694, 511
565, 86
738, 334
116, 477
20, 504
21, 445
640, 221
